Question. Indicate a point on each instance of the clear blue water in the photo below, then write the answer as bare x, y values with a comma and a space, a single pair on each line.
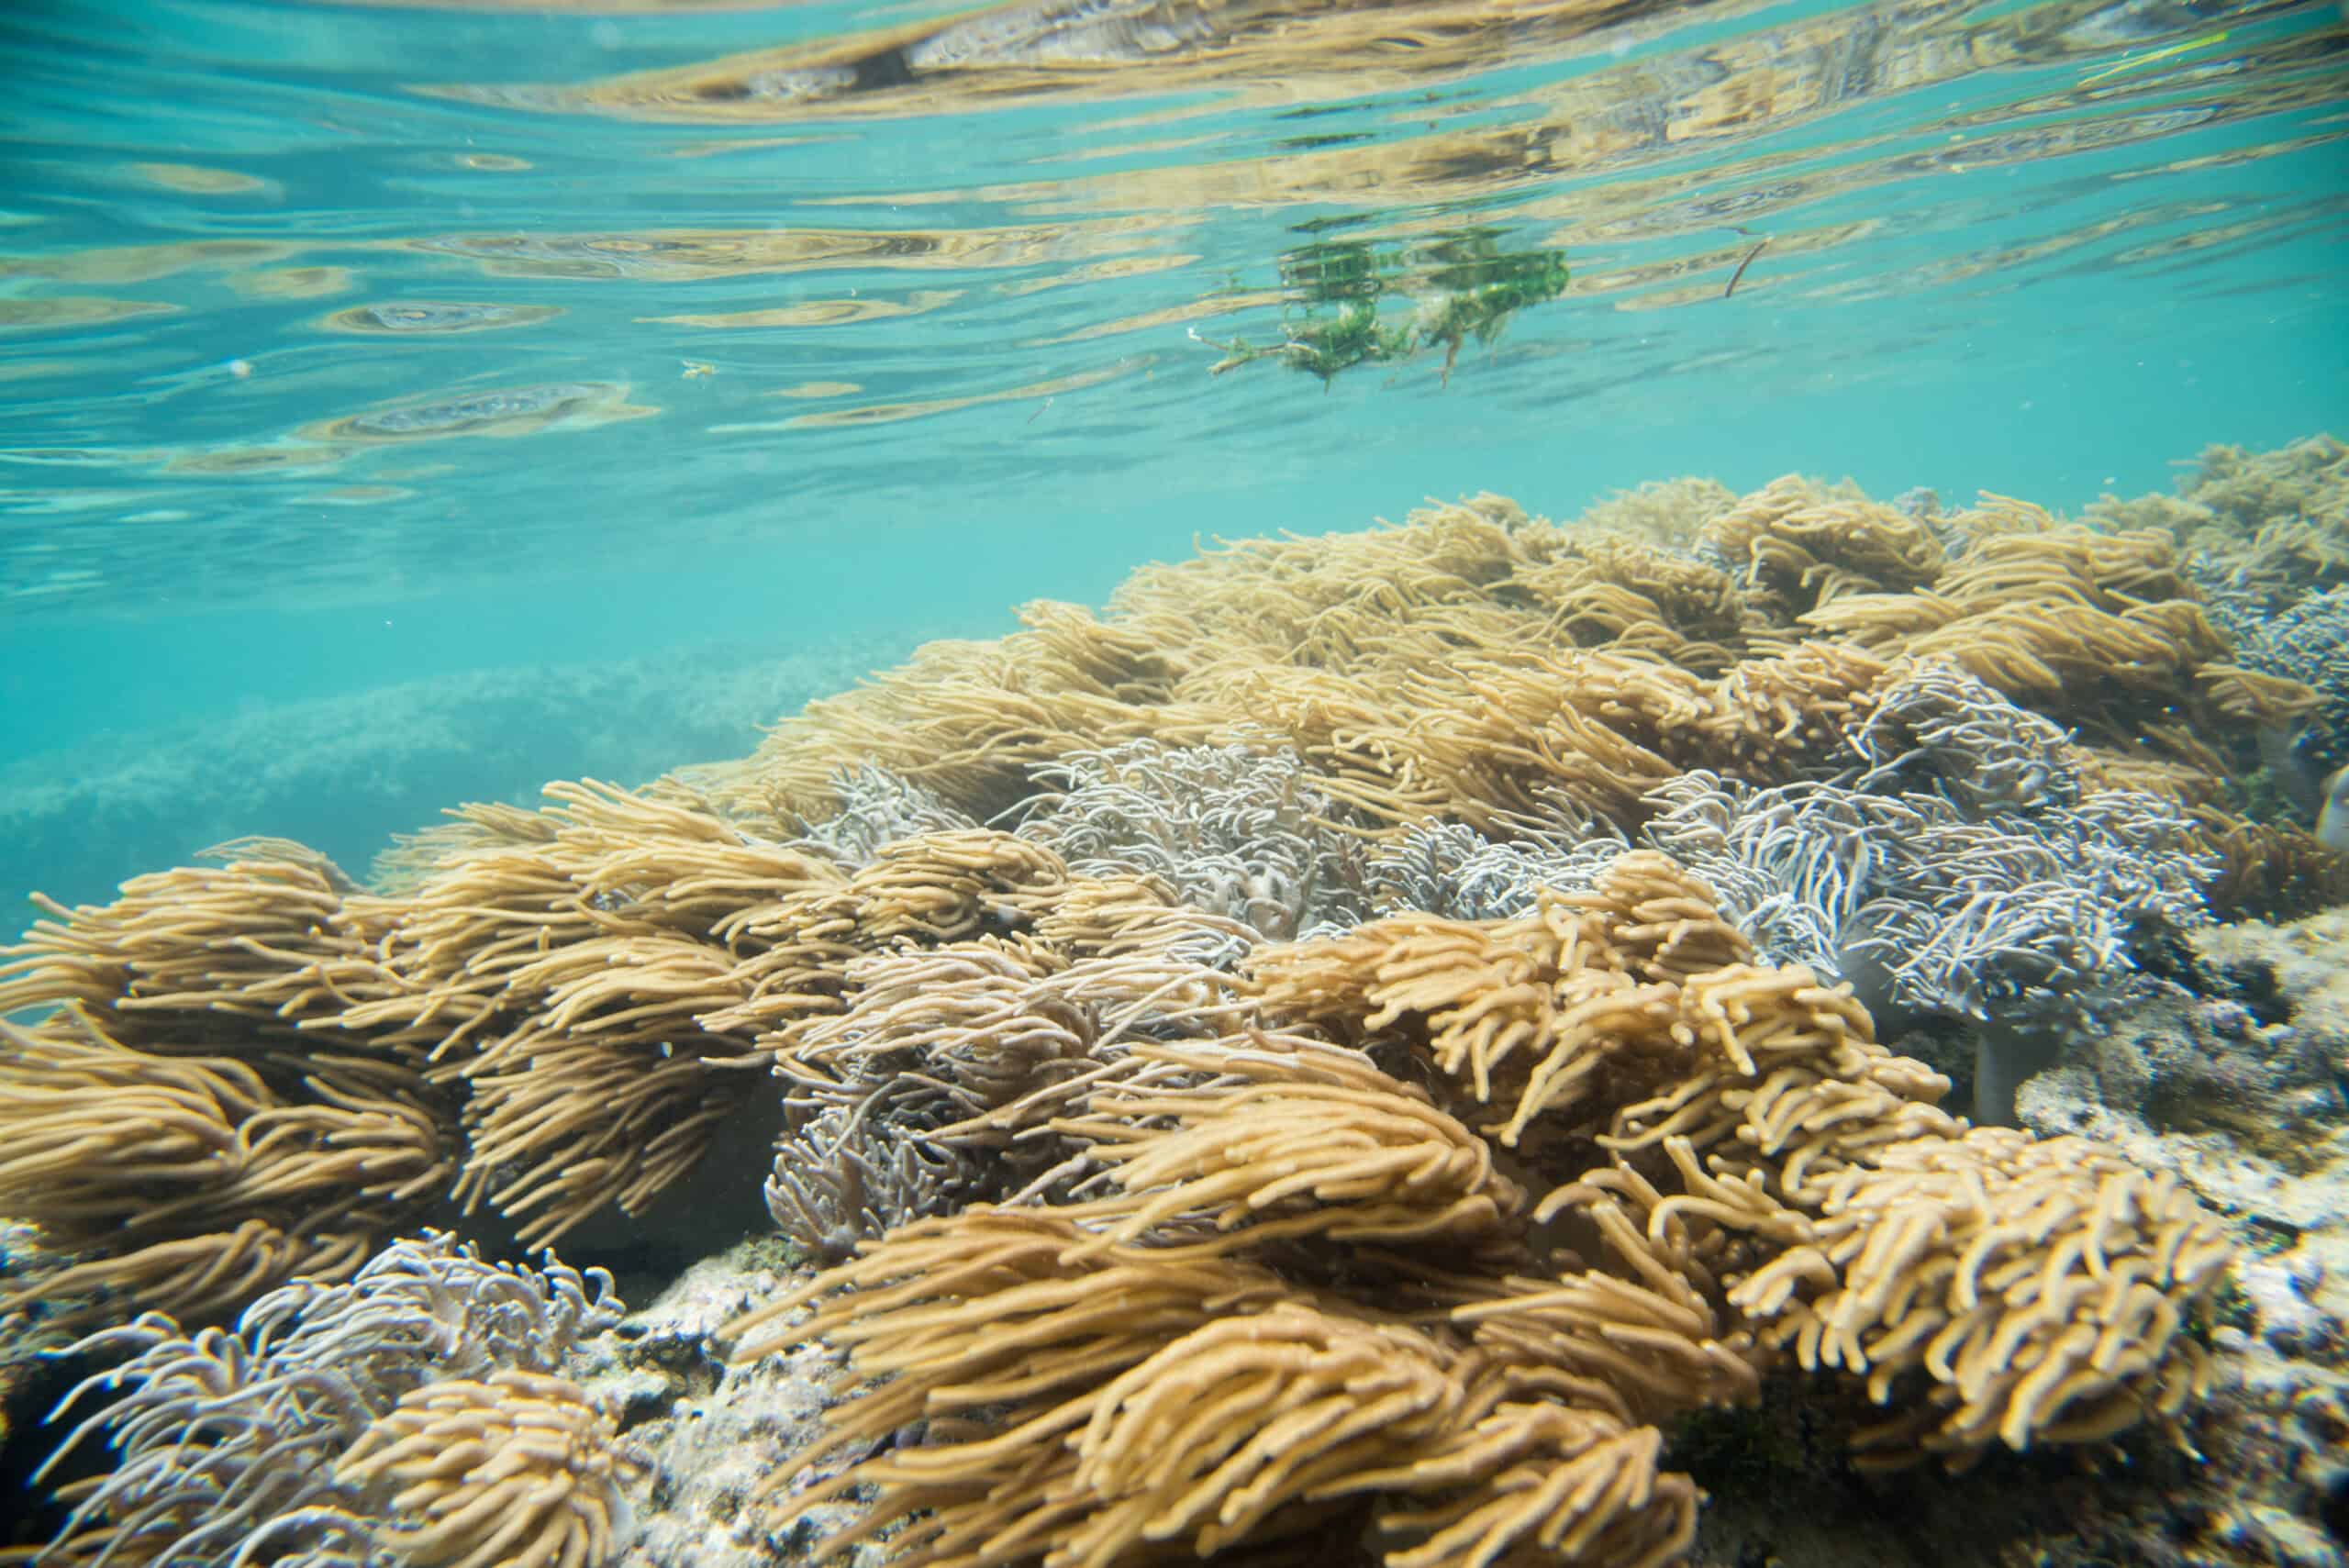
359, 360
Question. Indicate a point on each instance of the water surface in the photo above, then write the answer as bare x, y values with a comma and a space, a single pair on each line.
351, 345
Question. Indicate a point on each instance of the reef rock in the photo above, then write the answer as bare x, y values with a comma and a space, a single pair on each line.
2240, 1086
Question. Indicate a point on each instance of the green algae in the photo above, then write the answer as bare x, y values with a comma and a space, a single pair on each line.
1357, 301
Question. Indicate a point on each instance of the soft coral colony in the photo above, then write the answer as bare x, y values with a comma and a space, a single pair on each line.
1357, 1042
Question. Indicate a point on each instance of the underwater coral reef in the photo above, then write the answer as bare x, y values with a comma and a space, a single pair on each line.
1700, 1033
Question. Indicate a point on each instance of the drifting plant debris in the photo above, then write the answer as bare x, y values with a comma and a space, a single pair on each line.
1462, 287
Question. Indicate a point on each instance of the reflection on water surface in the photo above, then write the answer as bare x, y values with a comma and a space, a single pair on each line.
701, 254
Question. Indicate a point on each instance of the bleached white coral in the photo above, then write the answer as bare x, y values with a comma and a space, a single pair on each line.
1960, 858
2309, 643
876, 807
1941, 730
1237, 830
1450, 869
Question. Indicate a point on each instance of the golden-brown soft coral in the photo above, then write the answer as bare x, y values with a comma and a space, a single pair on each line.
1531, 1013
2036, 1288
599, 997
2103, 630
1610, 589
257, 940
554, 1018
515, 1469
1479, 665
172, 1125
1794, 546
1316, 1304
1302, 1142
553, 1010
1138, 1398
2279, 521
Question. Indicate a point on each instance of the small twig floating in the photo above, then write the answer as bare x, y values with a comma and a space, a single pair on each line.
1746, 263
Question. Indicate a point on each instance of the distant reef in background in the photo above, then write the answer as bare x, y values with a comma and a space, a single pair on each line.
345, 773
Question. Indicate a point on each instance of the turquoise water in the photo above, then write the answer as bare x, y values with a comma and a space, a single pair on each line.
362, 349
411, 403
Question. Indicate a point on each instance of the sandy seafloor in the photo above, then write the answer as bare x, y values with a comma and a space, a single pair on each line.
2219, 1053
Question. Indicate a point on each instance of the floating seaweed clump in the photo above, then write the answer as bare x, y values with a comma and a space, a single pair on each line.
1357, 1041
1462, 288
